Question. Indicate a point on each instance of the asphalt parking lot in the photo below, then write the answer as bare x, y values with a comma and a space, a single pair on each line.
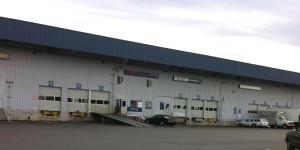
89, 136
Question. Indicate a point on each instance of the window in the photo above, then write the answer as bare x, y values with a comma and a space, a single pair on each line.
123, 103
149, 83
239, 111
99, 101
84, 101
178, 106
106, 102
206, 108
211, 109
120, 79
215, 109
76, 100
174, 106
93, 101
50, 98
133, 103
184, 107
57, 98
192, 108
201, 108
148, 105
42, 97
70, 99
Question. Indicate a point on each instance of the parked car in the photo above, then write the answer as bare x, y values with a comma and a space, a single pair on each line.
161, 120
292, 139
253, 122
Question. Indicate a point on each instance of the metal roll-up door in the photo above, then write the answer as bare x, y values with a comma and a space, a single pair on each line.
100, 102
179, 107
211, 110
197, 108
263, 107
252, 110
50, 98
77, 100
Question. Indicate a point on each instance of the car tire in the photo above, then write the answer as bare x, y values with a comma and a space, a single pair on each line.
289, 146
162, 123
240, 125
284, 126
254, 125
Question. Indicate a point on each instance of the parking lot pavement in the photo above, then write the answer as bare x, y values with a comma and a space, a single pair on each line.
89, 136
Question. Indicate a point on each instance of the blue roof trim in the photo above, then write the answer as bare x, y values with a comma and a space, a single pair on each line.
38, 34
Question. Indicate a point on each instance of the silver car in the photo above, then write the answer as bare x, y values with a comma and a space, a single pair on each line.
253, 122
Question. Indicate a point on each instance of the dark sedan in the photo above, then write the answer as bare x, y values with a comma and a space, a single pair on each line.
292, 139
161, 120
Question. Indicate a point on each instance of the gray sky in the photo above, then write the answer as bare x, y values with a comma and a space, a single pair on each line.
263, 32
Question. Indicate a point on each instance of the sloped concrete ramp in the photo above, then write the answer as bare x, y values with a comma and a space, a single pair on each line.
120, 119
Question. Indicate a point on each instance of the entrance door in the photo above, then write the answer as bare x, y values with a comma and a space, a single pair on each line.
123, 106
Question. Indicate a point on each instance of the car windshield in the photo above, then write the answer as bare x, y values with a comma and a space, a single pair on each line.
264, 120
283, 118
167, 117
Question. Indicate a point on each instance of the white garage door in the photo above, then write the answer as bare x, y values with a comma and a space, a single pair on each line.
179, 107
77, 100
197, 108
211, 110
100, 102
252, 110
263, 107
49, 98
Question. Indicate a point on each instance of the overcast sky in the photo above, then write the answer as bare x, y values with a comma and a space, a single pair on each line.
263, 32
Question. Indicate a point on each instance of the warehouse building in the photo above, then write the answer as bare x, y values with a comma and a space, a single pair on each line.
49, 73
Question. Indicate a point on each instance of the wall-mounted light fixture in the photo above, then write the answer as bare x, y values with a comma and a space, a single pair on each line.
180, 95
78, 86
50, 83
101, 88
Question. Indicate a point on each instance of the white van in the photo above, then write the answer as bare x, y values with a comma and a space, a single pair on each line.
253, 122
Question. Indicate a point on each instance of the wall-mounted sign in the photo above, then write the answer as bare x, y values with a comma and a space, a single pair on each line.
161, 105
249, 87
141, 74
50, 83
4, 56
189, 80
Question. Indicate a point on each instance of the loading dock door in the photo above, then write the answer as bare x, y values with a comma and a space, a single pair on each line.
77, 100
211, 110
49, 98
100, 102
197, 108
179, 107
263, 107
252, 110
